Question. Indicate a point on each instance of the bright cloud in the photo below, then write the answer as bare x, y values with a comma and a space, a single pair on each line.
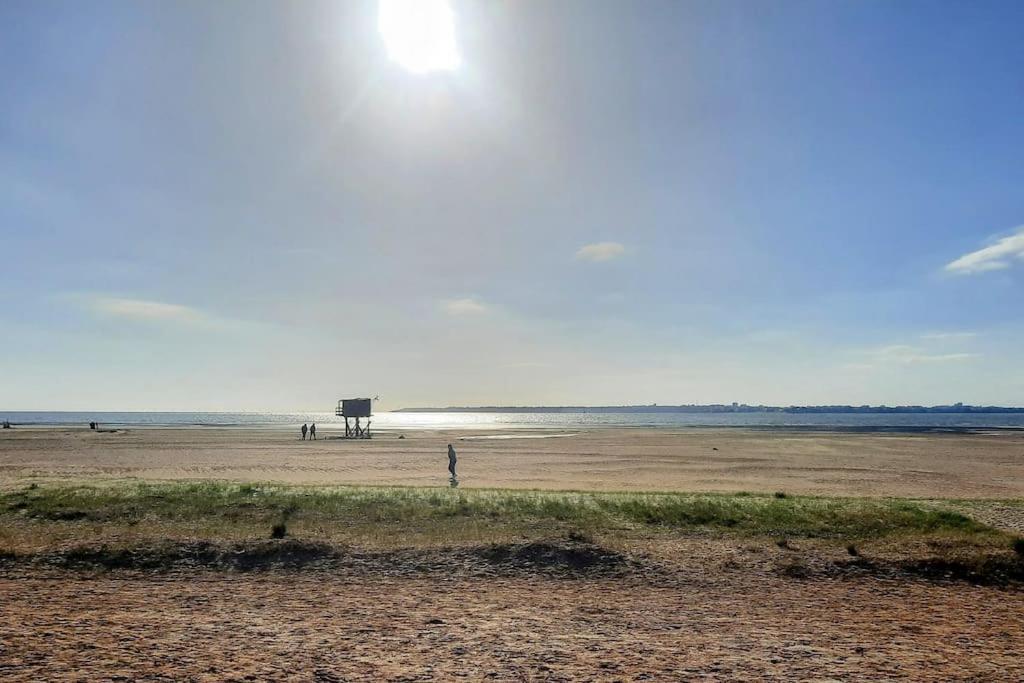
600, 251
993, 257
464, 306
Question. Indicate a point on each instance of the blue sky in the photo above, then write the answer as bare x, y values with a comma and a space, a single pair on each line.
249, 205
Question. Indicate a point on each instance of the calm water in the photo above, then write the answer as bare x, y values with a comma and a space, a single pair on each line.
386, 420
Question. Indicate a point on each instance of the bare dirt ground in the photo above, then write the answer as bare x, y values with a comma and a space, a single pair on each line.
874, 464
319, 626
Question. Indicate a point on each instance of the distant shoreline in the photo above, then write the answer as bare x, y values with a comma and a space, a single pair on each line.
956, 409
566, 419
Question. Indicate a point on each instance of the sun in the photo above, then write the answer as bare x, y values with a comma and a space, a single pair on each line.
419, 34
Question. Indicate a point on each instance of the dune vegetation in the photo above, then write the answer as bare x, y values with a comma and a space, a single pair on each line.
399, 516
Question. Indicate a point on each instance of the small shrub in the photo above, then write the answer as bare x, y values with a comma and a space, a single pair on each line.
1018, 546
580, 537
279, 530
780, 494
67, 515
795, 569
783, 543
852, 549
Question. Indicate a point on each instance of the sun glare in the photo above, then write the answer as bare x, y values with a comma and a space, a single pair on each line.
419, 34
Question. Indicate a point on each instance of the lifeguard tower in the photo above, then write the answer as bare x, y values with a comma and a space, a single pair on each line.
356, 408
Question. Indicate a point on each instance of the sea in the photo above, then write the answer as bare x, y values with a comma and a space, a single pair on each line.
391, 421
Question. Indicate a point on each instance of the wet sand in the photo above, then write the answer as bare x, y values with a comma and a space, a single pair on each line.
989, 465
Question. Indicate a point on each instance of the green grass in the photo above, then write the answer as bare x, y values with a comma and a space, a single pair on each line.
397, 516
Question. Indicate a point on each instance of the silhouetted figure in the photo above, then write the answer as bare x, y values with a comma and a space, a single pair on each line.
312, 431
7, 425
92, 425
304, 430
451, 460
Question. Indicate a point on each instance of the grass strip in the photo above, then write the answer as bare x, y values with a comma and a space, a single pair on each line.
441, 511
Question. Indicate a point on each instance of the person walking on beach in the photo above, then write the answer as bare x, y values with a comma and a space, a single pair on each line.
304, 428
312, 431
451, 460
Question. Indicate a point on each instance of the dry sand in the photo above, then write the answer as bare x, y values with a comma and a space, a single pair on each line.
800, 462
320, 627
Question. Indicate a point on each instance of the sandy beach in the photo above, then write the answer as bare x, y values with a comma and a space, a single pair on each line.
920, 465
680, 602
316, 627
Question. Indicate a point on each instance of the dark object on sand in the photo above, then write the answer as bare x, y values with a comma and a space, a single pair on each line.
7, 425
93, 425
304, 430
356, 408
279, 530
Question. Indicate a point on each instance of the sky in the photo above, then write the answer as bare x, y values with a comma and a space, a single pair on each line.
251, 205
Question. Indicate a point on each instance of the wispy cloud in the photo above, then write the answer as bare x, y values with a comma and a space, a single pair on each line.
907, 355
465, 306
948, 336
141, 309
600, 252
996, 256
939, 357
151, 312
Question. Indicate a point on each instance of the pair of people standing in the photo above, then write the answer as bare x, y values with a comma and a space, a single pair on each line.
311, 430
